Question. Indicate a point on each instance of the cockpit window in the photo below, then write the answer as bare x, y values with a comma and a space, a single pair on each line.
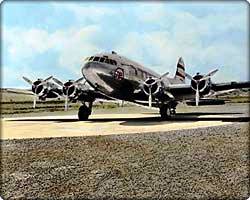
102, 59
96, 58
107, 61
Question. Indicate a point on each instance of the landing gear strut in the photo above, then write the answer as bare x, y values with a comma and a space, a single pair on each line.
84, 112
168, 110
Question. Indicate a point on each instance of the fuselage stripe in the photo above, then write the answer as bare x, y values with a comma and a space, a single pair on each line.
181, 67
179, 74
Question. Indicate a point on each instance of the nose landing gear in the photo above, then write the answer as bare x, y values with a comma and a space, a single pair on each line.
84, 111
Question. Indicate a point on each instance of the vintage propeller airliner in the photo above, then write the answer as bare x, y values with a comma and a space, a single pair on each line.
111, 76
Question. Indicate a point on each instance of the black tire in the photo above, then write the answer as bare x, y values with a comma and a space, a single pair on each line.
83, 113
165, 112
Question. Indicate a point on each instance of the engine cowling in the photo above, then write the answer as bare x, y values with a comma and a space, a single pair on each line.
203, 85
38, 88
69, 89
151, 84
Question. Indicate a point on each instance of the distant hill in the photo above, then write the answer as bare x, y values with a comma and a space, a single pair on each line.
15, 95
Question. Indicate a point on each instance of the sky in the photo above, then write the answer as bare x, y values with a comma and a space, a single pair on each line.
40, 39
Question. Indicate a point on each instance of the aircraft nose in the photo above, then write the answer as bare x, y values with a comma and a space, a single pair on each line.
97, 74
91, 72
89, 68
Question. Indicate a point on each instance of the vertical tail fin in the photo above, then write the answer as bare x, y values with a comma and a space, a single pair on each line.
180, 71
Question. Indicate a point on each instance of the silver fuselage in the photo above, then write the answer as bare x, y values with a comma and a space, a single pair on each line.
103, 77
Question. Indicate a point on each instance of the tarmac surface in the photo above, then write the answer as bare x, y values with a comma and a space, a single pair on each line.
201, 153
119, 123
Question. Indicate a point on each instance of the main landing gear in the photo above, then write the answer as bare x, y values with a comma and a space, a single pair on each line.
168, 110
85, 111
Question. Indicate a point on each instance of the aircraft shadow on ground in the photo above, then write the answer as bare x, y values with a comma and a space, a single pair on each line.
154, 120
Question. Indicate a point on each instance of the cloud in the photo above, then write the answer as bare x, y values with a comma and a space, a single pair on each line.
85, 12
160, 50
153, 34
24, 43
71, 45
205, 41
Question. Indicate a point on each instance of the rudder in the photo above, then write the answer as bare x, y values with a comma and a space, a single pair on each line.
180, 71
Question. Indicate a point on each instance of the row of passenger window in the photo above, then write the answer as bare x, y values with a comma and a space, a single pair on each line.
101, 59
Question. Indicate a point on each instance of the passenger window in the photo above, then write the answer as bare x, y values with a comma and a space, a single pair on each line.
96, 58
107, 61
135, 72
115, 63
102, 59
112, 62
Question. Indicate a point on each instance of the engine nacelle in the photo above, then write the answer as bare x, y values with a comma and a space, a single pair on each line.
69, 89
38, 88
203, 85
153, 84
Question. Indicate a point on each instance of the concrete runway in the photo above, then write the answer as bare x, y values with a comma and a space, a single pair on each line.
107, 124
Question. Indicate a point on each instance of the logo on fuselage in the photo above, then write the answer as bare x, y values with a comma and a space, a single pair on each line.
119, 74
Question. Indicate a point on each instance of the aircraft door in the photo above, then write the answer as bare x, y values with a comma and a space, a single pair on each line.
126, 72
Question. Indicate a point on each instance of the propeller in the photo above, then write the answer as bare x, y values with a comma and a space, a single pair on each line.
37, 87
152, 86
198, 80
69, 89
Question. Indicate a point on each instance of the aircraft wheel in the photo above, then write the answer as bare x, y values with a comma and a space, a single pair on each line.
166, 112
173, 112
83, 113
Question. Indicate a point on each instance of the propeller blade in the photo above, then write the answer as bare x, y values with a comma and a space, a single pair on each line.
58, 81
44, 82
78, 80
189, 77
47, 79
34, 101
211, 73
150, 98
197, 96
27, 80
164, 75
66, 103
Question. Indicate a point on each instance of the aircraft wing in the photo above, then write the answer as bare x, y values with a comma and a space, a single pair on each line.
183, 91
228, 86
186, 88
180, 89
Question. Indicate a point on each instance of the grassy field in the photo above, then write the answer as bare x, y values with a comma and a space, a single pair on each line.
16, 102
